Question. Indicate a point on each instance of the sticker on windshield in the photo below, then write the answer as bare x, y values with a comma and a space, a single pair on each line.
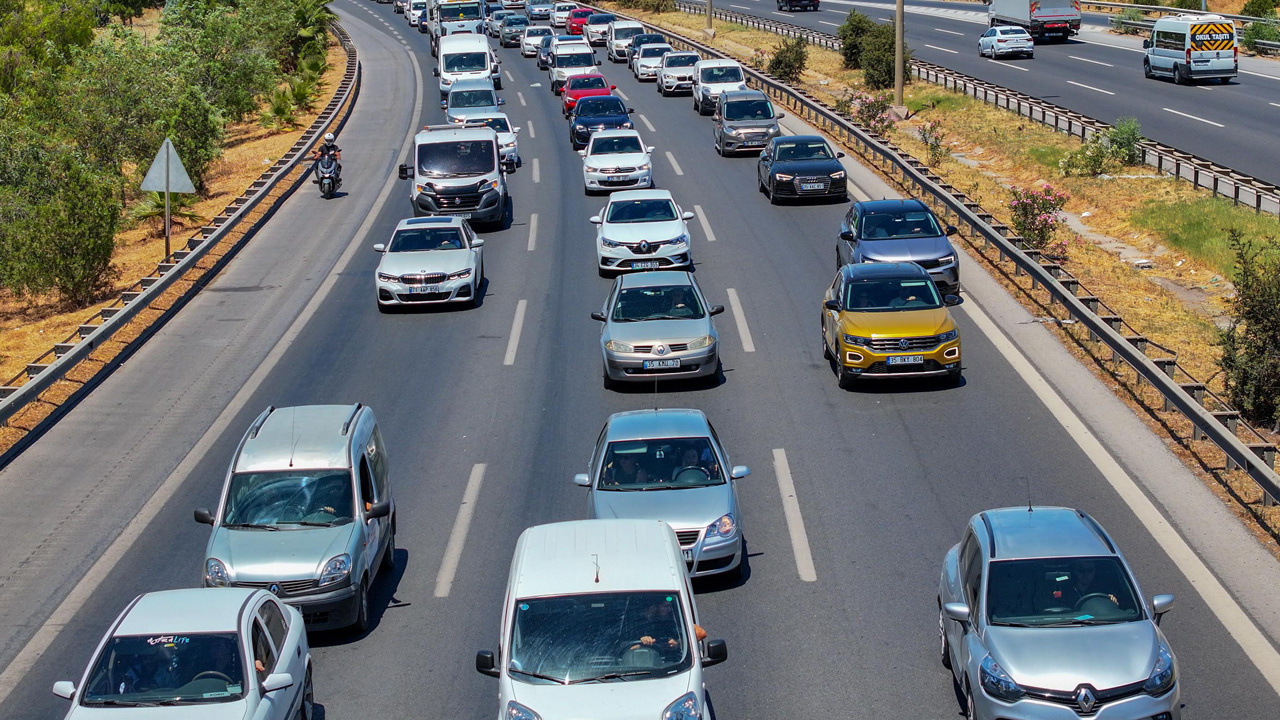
168, 640
524, 606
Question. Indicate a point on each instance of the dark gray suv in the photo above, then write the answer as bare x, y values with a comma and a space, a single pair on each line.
744, 121
900, 231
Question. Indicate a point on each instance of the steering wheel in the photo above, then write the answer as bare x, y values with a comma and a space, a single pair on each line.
1090, 596
675, 477
212, 673
636, 646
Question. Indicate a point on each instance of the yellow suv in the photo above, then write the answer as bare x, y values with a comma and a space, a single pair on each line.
886, 320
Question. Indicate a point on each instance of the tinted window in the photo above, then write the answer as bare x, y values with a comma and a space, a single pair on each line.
679, 60
897, 225
633, 211
664, 464
459, 11
377, 451
748, 110
420, 239
587, 83
472, 98
1068, 591
654, 51
721, 74
498, 124
600, 19
273, 618
612, 145
456, 159
515, 21
466, 62
596, 106
581, 14
264, 658
572, 60
288, 499
626, 32
157, 668
538, 32
886, 294
661, 302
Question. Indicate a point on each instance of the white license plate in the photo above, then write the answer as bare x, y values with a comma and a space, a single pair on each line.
810, 186
646, 265
424, 289
688, 556
659, 364
906, 359
760, 143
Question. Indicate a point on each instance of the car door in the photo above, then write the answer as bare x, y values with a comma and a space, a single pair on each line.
766, 162
846, 243
717, 120
376, 450
831, 318
985, 40
595, 466
969, 593
288, 649
263, 662
726, 471
374, 529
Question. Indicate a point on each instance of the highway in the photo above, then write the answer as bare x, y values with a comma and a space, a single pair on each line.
1094, 73
884, 477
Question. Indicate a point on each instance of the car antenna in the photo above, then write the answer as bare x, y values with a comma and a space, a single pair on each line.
1027, 481
293, 424
596, 559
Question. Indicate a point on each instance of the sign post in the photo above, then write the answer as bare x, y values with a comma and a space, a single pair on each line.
167, 175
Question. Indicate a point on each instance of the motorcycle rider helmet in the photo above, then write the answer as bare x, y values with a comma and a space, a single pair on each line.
328, 138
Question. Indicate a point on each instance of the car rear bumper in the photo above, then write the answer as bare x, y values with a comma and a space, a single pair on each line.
626, 367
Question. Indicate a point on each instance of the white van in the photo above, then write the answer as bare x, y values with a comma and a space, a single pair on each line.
599, 618
466, 57
567, 60
1192, 47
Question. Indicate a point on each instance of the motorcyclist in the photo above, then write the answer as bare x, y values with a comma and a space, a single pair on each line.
325, 149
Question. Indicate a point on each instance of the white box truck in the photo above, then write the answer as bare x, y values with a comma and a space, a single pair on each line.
1041, 18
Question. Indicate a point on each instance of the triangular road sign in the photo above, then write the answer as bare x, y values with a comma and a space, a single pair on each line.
166, 173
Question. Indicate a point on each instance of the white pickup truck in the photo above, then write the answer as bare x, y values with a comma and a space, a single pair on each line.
1041, 18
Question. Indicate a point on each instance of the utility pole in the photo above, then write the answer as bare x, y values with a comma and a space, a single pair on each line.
710, 30
899, 54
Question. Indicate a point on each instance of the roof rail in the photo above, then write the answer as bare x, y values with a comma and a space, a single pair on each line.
1093, 524
355, 410
257, 424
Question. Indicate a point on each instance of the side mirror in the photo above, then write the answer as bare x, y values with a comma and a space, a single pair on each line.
839, 155
380, 509
613, 87
630, 110
951, 230
404, 172
444, 104
515, 131
435, 71
957, 611
508, 166
595, 220
582, 152
599, 63
599, 316
477, 243
717, 652
649, 148
64, 689
846, 235
780, 116
716, 309
686, 215
831, 304
1160, 604
739, 472
582, 480
1146, 44
485, 664
203, 516
501, 101
952, 300
276, 681
379, 247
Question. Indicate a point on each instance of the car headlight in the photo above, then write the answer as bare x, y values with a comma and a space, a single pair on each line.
724, 527
996, 682
774, 129
946, 260
685, 707
509, 145
446, 81
948, 336
837, 175
681, 240
336, 570
215, 573
733, 132
643, 167
1162, 675
628, 125
516, 711
460, 274
492, 185
705, 341
855, 340
618, 346
609, 243
388, 277
426, 189
783, 176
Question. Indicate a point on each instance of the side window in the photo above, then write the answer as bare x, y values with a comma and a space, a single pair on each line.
264, 658
971, 567
367, 495
277, 625
377, 451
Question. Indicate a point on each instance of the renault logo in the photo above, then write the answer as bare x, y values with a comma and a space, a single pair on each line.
1085, 699
659, 349
643, 246
904, 343
274, 588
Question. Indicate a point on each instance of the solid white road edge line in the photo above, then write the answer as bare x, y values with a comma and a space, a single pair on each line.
946, 50
533, 231
1193, 117
1089, 87
513, 341
795, 521
1224, 607
537, 176
706, 226
674, 165
740, 319
647, 124
105, 564
458, 538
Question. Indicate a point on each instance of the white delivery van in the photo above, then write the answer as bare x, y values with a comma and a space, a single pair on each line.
459, 170
465, 57
1192, 47
599, 620
453, 17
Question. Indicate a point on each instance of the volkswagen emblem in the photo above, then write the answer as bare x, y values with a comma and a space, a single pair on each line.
904, 343
643, 246
274, 588
659, 349
1085, 699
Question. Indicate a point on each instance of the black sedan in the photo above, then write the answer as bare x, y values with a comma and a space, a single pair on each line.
603, 112
801, 166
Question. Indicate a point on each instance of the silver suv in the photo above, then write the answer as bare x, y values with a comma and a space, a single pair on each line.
306, 512
745, 121
1040, 617
900, 231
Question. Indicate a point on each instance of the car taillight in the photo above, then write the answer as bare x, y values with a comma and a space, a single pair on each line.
1188, 56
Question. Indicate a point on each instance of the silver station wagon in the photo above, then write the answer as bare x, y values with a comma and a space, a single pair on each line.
306, 513
669, 465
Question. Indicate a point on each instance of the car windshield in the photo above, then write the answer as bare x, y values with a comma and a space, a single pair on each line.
460, 11
581, 14
498, 124
515, 21
538, 32
461, 158
566, 7
472, 98
600, 19
420, 6
657, 302
572, 60
679, 60
804, 150
654, 51
587, 83
466, 62
888, 294
599, 637
643, 38
177, 669
626, 33
1061, 591
898, 225
597, 106
423, 239
748, 110
499, 15
640, 211
267, 500
615, 145
721, 74
664, 464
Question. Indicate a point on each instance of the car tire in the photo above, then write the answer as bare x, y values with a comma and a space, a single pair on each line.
720, 148
942, 633
970, 710
361, 624
1179, 76
497, 84
1146, 69
384, 309
608, 382
389, 557
826, 349
955, 377
844, 380
306, 709
773, 196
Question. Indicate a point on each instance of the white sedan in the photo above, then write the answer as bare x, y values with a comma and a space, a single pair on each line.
508, 146
560, 15
1005, 40
642, 230
616, 160
531, 39
430, 260
211, 653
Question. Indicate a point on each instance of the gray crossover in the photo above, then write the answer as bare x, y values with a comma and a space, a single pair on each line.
900, 231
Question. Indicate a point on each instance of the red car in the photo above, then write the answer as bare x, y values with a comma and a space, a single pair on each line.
580, 86
577, 20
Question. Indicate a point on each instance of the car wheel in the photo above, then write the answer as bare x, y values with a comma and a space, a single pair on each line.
497, 84
970, 710
759, 184
695, 104
1179, 76
609, 383
955, 376
844, 379
1224, 81
389, 557
719, 148
306, 710
773, 196
361, 624
384, 309
826, 349
942, 633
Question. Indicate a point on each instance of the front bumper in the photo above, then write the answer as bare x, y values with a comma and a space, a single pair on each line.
671, 84
693, 364
1134, 707
793, 188
394, 293
647, 71
488, 208
327, 610
596, 37
713, 556
539, 14
664, 258
753, 142
596, 180
858, 361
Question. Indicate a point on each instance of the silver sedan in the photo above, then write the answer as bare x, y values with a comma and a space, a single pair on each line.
657, 325
645, 451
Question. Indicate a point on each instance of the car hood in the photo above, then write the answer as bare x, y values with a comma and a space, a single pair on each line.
625, 700
607, 120
260, 555
646, 61
906, 249
213, 711
579, 94
751, 124
899, 323
635, 232
1104, 656
687, 508
665, 331
717, 88
616, 160
431, 261
807, 167
462, 112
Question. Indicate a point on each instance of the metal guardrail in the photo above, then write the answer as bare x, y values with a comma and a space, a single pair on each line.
1118, 22
1164, 10
1257, 459
1242, 189
1271, 46
53, 365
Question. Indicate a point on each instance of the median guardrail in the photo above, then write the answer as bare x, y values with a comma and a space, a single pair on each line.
1164, 10
1181, 392
244, 215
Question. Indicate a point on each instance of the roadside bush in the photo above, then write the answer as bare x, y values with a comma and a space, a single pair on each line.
232, 61
934, 141
1186, 4
151, 207
302, 91
850, 32
1260, 8
869, 110
1036, 214
1105, 152
1124, 139
1250, 359
280, 113
789, 60
1131, 15
876, 55
1255, 31
197, 132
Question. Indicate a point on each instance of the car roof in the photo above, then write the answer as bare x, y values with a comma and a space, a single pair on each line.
614, 132
594, 556
651, 194
746, 94
652, 424
627, 24
1009, 27
652, 278
597, 14
799, 138
462, 42
864, 271
472, 84
719, 62
1020, 532
649, 46
454, 134
307, 436
579, 76
896, 205
189, 610
436, 220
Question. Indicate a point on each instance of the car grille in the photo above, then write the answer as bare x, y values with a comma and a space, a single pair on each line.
653, 246
674, 347
618, 183
1102, 697
615, 170
930, 264
422, 279
664, 371
917, 344
883, 368
287, 587
688, 537
461, 201
422, 297
824, 180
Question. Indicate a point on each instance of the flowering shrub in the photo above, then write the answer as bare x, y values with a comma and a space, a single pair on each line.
1037, 214
868, 110
932, 136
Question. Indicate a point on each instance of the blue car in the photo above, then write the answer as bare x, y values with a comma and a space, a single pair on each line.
604, 112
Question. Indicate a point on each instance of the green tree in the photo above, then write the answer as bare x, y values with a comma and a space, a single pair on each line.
225, 56
39, 35
126, 10
1260, 9
789, 60
1250, 359
877, 57
197, 132
855, 26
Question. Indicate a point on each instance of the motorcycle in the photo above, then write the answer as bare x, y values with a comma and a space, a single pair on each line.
327, 176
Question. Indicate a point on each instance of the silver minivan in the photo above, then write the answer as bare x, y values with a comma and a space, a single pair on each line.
306, 512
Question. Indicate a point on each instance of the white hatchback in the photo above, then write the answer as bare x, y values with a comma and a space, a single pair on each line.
642, 230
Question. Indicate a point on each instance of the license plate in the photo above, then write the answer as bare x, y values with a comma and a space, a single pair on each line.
424, 289
906, 359
464, 216
659, 364
646, 265
810, 186
760, 143
688, 556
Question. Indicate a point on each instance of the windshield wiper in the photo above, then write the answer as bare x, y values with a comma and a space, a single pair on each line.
540, 676
122, 703
674, 317
610, 676
1074, 622
661, 487
252, 526
310, 523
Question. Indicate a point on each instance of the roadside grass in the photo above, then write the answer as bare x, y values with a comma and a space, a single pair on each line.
1199, 228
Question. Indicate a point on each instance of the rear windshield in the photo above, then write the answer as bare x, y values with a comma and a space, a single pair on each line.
466, 62
572, 60
748, 110
721, 74
459, 158
587, 83
680, 60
